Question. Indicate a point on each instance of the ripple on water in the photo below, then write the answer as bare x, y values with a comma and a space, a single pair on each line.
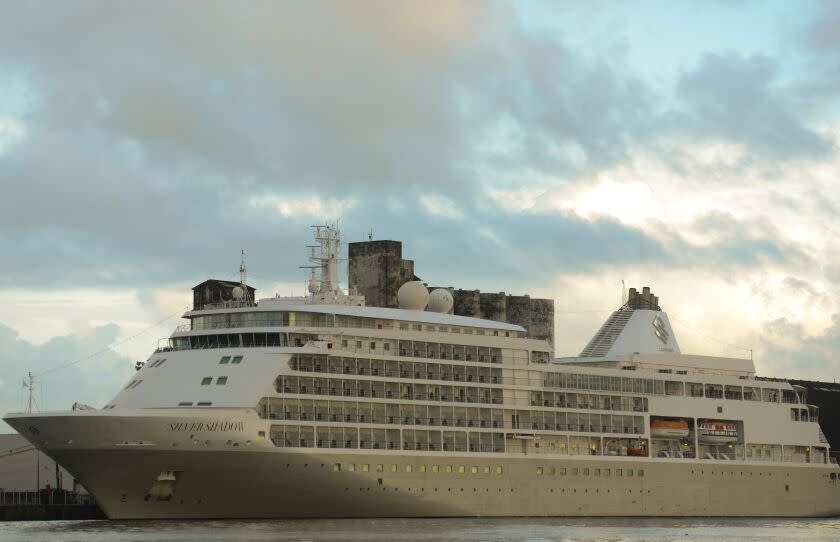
425, 530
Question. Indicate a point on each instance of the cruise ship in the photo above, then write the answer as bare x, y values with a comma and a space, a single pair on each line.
320, 406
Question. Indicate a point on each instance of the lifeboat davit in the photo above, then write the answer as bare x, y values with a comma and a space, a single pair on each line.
712, 432
669, 428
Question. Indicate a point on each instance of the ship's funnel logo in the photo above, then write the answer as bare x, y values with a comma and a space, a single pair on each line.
659, 329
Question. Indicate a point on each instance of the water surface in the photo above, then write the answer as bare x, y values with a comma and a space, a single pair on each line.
425, 530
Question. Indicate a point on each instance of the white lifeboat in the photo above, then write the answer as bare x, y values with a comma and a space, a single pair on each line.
669, 429
717, 432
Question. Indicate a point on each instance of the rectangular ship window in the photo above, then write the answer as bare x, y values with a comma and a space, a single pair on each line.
606, 472
408, 468
351, 467
498, 470
236, 359
224, 360
486, 469
204, 403
206, 381
421, 468
461, 469
365, 467
393, 467
435, 468
586, 472
185, 403
474, 469
562, 471
448, 468
539, 471
221, 381
629, 472
336, 467
380, 467
641, 472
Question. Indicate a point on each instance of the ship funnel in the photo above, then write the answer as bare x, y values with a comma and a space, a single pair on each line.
638, 326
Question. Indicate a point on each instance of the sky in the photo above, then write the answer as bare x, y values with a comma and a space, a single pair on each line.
553, 148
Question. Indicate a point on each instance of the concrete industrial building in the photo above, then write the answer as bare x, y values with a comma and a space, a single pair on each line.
377, 269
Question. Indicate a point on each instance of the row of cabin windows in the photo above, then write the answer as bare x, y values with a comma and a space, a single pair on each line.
229, 340
220, 381
662, 387
227, 359
446, 416
402, 369
387, 389
200, 403
487, 469
424, 349
586, 471
309, 319
410, 468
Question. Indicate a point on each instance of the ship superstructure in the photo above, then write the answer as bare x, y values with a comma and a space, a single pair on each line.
322, 407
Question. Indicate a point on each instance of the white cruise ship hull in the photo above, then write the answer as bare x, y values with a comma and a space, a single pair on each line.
220, 474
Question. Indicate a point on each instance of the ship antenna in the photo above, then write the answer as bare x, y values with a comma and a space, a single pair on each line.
30, 389
243, 281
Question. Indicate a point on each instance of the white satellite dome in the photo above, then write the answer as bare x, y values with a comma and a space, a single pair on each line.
413, 296
440, 300
238, 293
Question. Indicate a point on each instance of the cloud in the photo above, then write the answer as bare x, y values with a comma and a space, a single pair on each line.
93, 381
794, 353
742, 99
142, 147
259, 95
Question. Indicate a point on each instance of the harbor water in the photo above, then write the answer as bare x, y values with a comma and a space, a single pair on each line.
427, 530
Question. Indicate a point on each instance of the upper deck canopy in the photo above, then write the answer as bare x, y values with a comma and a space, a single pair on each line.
382, 313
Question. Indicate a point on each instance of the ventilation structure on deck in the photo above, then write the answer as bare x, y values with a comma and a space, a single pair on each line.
601, 343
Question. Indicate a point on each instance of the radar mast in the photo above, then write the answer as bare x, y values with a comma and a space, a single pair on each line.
323, 284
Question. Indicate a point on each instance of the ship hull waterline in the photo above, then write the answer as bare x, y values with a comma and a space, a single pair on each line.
262, 481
